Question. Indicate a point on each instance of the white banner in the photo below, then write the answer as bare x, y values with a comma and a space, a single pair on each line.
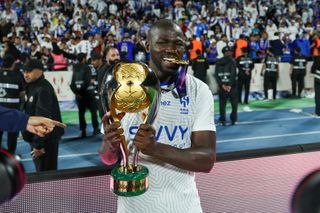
61, 83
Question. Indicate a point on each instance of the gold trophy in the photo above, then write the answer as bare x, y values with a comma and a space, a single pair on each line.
130, 88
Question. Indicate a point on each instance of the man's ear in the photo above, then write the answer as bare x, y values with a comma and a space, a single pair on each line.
147, 45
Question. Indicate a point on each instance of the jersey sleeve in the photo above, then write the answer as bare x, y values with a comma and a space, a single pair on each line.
12, 120
204, 116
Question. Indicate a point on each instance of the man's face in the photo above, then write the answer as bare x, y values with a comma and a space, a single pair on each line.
166, 43
96, 63
32, 75
113, 56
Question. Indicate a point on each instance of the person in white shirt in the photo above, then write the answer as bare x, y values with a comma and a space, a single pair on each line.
181, 140
220, 45
9, 15
271, 28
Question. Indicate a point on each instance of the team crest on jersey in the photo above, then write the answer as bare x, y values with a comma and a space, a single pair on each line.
184, 101
3, 92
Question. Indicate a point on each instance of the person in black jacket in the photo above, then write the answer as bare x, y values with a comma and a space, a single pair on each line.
245, 65
200, 66
12, 91
315, 69
298, 66
83, 86
101, 68
270, 73
42, 101
225, 73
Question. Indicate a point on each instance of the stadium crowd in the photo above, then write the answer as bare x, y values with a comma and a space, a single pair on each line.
28, 28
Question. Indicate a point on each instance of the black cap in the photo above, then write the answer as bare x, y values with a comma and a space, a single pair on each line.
95, 56
226, 49
33, 64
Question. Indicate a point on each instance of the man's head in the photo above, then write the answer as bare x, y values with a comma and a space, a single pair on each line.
198, 52
33, 70
227, 51
113, 56
96, 60
8, 61
297, 50
165, 40
244, 51
81, 57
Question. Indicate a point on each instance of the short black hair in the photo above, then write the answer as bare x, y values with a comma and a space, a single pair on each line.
8, 60
162, 23
81, 56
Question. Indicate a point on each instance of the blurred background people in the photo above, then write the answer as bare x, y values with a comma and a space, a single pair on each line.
12, 91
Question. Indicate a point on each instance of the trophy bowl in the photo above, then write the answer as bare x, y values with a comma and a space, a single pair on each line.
130, 88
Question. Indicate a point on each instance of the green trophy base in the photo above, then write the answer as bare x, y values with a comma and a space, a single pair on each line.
129, 182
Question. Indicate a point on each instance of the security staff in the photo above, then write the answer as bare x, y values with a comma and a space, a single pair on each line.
315, 69
101, 68
270, 72
298, 65
245, 66
226, 76
42, 101
12, 91
83, 86
200, 66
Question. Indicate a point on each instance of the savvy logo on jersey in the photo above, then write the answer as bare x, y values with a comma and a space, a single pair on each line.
178, 131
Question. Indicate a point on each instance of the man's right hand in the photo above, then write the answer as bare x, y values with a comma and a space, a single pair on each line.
113, 135
42, 126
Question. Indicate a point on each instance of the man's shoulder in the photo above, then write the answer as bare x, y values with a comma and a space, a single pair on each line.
45, 85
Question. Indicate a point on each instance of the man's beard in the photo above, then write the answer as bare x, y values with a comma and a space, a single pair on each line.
113, 62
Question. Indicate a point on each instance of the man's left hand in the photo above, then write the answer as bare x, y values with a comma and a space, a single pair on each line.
145, 139
37, 153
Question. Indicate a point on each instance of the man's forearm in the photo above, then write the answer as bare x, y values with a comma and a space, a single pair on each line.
197, 159
108, 154
12, 120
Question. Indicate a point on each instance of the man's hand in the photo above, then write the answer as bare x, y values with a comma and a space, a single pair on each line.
226, 88
145, 139
37, 153
41, 126
113, 135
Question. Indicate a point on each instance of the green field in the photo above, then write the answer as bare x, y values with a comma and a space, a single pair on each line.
72, 117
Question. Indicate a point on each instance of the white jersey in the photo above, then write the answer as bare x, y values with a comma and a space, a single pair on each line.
171, 189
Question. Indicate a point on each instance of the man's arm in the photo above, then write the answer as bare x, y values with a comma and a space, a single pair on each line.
12, 120
44, 107
200, 157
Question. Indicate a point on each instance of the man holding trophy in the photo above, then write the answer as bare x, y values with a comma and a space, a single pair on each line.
176, 136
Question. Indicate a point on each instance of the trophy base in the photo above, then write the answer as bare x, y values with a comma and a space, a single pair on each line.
129, 182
